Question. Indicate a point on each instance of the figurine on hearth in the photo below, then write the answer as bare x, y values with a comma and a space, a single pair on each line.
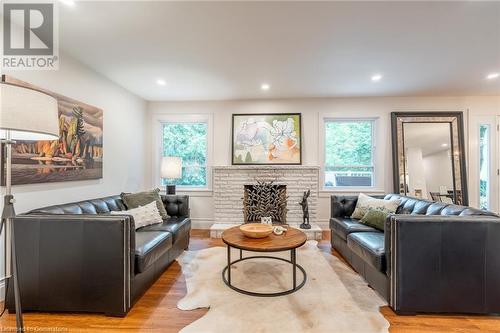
305, 211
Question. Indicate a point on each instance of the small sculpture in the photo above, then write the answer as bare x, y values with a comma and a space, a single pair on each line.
305, 211
279, 230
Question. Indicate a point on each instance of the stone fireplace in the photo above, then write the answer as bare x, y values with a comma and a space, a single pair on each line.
229, 191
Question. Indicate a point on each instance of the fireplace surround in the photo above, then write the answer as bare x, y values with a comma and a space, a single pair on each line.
229, 182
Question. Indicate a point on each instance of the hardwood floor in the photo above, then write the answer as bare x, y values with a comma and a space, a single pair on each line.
157, 311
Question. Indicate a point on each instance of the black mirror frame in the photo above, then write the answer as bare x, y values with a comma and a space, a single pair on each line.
461, 147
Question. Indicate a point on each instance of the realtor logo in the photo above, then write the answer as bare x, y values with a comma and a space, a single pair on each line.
29, 36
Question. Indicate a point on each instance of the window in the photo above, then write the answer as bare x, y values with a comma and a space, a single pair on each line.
484, 170
188, 137
348, 149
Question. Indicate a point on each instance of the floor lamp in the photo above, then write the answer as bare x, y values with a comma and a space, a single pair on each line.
25, 114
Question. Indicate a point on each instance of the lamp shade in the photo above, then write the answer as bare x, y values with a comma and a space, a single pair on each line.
171, 167
28, 114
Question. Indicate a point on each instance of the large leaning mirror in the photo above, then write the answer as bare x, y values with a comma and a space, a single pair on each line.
428, 156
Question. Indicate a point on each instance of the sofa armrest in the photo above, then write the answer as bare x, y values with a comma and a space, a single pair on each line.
75, 262
176, 205
437, 262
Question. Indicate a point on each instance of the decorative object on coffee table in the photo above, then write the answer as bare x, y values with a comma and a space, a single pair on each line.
279, 230
305, 211
288, 241
256, 230
171, 169
265, 199
272, 138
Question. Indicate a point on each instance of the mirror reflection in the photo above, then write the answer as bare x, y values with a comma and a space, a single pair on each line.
428, 161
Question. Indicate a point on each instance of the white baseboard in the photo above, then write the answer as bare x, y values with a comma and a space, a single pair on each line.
324, 224
201, 223
2, 291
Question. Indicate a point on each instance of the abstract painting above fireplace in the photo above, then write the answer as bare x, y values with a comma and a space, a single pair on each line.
266, 139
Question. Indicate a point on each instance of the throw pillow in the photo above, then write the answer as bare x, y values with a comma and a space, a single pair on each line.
134, 200
375, 218
143, 215
366, 202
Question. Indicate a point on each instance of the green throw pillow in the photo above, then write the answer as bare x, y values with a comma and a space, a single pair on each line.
375, 218
134, 200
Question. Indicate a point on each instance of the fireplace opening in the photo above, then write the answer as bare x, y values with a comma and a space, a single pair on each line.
265, 199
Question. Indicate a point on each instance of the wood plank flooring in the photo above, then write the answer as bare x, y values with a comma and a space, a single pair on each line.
157, 312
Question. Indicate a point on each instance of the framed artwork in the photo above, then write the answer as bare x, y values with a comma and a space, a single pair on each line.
77, 155
266, 139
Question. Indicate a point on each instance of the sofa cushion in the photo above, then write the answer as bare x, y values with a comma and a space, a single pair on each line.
174, 225
343, 226
370, 247
149, 246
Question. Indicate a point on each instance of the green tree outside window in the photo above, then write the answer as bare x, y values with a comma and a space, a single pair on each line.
188, 141
348, 153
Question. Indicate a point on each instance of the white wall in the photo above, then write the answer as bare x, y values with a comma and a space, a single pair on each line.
438, 171
312, 111
416, 172
124, 136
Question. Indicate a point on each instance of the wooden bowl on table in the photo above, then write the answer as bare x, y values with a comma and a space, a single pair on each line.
256, 230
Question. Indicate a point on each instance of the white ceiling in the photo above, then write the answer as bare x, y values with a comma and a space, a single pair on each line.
225, 50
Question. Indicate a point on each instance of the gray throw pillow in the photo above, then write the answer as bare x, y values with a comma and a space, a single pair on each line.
134, 200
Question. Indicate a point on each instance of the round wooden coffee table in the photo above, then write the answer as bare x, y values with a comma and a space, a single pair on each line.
288, 241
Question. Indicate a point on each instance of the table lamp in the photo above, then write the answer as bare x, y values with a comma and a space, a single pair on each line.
25, 114
171, 168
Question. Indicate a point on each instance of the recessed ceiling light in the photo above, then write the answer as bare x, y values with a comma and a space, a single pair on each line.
161, 82
444, 145
265, 86
70, 3
376, 77
493, 76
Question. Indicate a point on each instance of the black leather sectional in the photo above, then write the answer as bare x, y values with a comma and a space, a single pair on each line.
79, 258
431, 257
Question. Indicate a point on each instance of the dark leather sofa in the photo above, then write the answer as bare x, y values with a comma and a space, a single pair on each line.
79, 258
432, 257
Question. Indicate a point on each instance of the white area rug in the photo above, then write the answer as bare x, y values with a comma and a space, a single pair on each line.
334, 298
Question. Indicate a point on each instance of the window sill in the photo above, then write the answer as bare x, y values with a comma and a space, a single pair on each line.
327, 192
193, 192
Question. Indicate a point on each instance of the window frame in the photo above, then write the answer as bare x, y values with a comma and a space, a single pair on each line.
158, 121
488, 165
377, 162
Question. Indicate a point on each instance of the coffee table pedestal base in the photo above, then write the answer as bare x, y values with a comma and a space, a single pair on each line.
293, 261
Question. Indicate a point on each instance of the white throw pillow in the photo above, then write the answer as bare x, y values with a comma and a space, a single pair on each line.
366, 202
143, 215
